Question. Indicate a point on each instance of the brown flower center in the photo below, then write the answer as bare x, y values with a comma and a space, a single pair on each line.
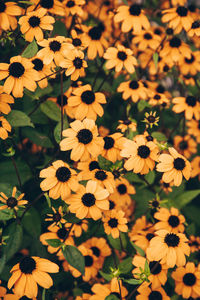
183, 145
38, 64
96, 251
93, 165
147, 36
191, 100
143, 151
155, 267
172, 240
122, 55
88, 199
88, 97
47, 3
135, 10
101, 175
78, 63
56, 217
62, 233
182, 11
155, 295
134, 85
113, 222
84, 136
59, 100
196, 24
27, 265
55, 46
179, 164
2, 6
88, 261
76, 42
189, 279
175, 42
173, 221
16, 69
95, 33
63, 174
70, 4
34, 21
122, 189
109, 142
11, 202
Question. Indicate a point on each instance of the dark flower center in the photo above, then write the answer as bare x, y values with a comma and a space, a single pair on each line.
192, 7
2, 6
169, 31
47, 3
27, 265
134, 85
149, 138
175, 42
182, 11
155, 267
189, 61
149, 236
101, 175
160, 89
62, 233
88, 199
143, 151
93, 165
166, 68
113, 222
166, 184
173, 221
191, 100
84, 136
88, 97
38, 64
63, 174
157, 31
55, 46
70, 4
88, 261
59, 100
95, 33
106, 3
16, 69
78, 63
122, 55
135, 10
127, 122
56, 217
116, 174
24, 298
155, 204
196, 24
157, 97
151, 119
34, 21
172, 240
147, 36
183, 145
111, 205
122, 189
189, 279
96, 251
76, 42
155, 295
11, 202
179, 164
109, 142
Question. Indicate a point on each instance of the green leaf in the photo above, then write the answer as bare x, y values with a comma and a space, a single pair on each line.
133, 281
142, 104
106, 276
43, 294
57, 129
111, 297
71, 218
116, 244
50, 109
2, 262
30, 50
126, 265
55, 243
155, 59
138, 249
186, 198
37, 137
75, 258
150, 177
13, 243
104, 163
146, 268
6, 214
190, 229
159, 136
32, 222
125, 2
18, 118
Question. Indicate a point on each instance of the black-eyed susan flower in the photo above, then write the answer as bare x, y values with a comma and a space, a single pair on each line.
43, 71
33, 24
174, 166
166, 187
30, 272
86, 167
190, 65
83, 139
147, 293
157, 99
114, 287
54, 7
79, 228
58, 233
104, 179
112, 145
187, 281
195, 164
146, 39
127, 124
77, 40
5, 100
73, 7
54, 49
58, 100
133, 89
92, 264
151, 119
12, 202
56, 217
178, 18
194, 129
170, 248
74, 64
8, 13
141, 155
120, 57
175, 49
194, 243
158, 271
114, 222
19, 74
89, 201
59, 180
5, 128
195, 29
189, 105
143, 237
123, 190
86, 103
132, 17
185, 145
170, 220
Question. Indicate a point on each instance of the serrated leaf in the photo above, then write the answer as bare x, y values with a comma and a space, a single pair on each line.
18, 118
138, 249
186, 198
133, 281
106, 276
75, 258
55, 243
51, 110
13, 243
30, 50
